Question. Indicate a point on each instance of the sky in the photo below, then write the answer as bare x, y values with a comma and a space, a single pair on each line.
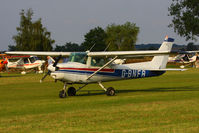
70, 20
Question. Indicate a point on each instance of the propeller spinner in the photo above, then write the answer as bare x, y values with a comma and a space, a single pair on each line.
51, 68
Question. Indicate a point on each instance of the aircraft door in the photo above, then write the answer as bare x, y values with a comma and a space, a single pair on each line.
26, 63
32, 59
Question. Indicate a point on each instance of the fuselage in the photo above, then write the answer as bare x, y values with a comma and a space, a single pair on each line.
74, 72
183, 59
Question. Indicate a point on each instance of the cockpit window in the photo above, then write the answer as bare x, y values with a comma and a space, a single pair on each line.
36, 58
25, 60
98, 61
32, 59
80, 57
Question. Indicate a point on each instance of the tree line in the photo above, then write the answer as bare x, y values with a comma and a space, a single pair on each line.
33, 36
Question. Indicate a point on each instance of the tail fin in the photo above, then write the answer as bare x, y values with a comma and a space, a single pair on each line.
160, 62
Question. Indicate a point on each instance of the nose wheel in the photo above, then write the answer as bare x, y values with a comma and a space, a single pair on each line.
62, 94
71, 91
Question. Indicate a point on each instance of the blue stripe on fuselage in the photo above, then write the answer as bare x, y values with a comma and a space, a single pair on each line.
122, 73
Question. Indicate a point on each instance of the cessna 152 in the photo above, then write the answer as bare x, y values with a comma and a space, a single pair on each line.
97, 67
25, 62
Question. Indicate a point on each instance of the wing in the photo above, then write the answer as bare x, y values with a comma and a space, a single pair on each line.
128, 53
189, 52
93, 54
185, 52
39, 53
168, 69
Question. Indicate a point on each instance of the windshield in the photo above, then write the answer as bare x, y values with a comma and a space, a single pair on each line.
80, 57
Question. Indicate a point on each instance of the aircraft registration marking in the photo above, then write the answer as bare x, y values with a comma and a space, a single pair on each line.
128, 73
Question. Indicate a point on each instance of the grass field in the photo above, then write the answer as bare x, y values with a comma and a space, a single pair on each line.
169, 103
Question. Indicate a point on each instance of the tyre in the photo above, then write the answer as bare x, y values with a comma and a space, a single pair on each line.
110, 91
71, 91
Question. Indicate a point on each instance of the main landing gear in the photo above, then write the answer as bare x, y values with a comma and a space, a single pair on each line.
72, 91
109, 91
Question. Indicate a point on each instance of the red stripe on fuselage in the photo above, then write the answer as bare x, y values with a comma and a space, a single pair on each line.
25, 65
89, 69
31, 64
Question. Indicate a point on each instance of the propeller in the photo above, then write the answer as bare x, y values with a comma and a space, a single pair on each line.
52, 68
57, 60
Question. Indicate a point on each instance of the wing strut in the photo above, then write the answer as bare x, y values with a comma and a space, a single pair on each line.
102, 67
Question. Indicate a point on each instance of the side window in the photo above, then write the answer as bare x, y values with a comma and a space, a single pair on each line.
98, 62
78, 57
32, 60
25, 60
84, 59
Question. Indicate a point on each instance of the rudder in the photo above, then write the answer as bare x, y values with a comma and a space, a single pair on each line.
160, 62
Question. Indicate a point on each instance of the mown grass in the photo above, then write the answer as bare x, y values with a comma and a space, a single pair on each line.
169, 103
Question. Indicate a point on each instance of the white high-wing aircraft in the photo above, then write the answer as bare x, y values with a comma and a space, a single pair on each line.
97, 67
28, 62
185, 57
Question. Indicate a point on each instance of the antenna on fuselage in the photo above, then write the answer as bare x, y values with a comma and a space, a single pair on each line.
107, 47
92, 47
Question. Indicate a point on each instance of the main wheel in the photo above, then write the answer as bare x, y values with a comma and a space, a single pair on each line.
110, 91
62, 94
71, 91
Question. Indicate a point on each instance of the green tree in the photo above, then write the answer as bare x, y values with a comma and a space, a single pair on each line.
191, 46
95, 37
122, 37
12, 48
32, 36
185, 20
69, 47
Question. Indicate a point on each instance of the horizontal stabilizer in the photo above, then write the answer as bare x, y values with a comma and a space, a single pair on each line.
168, 69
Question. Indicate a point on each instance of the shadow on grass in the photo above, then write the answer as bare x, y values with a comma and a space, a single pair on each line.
173, 89
8, 76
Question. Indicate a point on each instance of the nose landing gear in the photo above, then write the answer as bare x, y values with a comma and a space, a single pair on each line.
71, 91
62, 93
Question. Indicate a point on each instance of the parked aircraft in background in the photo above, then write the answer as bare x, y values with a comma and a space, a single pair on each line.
185, 58
3, 62
97, 67
25, 62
